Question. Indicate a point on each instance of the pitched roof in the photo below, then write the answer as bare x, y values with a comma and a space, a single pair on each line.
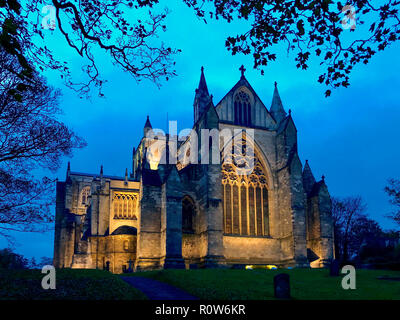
245, 83
94, 175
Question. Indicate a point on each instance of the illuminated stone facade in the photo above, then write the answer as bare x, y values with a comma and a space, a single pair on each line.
189, 214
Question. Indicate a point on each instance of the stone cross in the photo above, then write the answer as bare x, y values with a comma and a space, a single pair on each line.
282, 286
242, 69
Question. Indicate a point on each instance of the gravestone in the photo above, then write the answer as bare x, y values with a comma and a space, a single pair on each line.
282, 286
108, 265
334, 268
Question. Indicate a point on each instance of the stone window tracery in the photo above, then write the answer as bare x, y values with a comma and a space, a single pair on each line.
125, 205
245, 197
242, 105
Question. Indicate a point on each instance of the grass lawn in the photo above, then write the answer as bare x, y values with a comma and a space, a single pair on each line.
257, 284
71, 284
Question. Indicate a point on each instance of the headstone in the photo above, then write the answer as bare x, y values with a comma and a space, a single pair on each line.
108, 265
282, 286
334, 268
193, 266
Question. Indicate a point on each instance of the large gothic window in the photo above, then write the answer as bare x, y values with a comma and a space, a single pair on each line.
242, 107
245, 197
125, 205
188, 213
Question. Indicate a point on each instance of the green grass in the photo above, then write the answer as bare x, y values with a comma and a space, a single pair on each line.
257, 284
206, 284
71, 284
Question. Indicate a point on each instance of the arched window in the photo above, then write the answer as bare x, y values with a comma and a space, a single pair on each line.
84, 196
245, 196
126, 245
125, 205
188, 214
242, 106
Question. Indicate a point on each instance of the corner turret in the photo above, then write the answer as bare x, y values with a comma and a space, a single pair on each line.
276, 109
147, 127
308, 178
202, 97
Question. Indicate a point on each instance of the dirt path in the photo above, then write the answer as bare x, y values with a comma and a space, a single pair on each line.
156, 290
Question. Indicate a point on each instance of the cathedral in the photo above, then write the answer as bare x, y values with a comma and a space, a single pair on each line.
177, 209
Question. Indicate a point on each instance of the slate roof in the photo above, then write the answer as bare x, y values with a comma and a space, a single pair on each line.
94, 175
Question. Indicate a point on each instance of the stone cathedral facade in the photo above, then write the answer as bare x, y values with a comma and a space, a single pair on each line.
184, 214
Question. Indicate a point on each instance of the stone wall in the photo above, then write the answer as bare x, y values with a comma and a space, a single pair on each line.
116, 249
252, 250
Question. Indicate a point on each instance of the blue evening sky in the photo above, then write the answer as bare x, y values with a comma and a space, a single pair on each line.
351, 137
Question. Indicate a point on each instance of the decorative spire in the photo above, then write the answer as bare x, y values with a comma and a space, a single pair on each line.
126, 175
308, 178
323, 178
148, 124
101, 171
68, 169
202, 97
202, 84
276, 109
147, 127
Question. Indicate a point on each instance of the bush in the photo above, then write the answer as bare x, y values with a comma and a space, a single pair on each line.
12, 260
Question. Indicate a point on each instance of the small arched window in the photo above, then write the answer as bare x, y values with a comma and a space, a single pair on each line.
84, 196
242, 105
126, 245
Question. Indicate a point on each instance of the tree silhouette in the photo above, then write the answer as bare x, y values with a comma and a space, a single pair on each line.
31, 137
393, 191
320, 30
89, 26
347, 213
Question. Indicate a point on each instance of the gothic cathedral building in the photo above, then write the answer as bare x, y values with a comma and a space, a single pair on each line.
187, 214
